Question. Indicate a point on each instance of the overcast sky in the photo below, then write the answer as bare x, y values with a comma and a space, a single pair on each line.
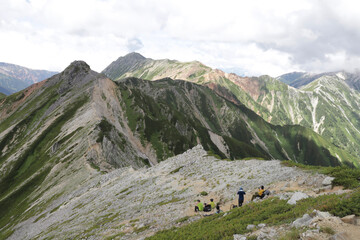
250, 37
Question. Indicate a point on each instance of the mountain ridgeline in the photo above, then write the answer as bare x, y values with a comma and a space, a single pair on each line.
14, 78
312, 106
58, 133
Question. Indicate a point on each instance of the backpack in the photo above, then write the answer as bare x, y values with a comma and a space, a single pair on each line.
207, 208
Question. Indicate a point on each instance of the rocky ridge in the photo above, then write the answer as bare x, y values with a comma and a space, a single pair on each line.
132, 204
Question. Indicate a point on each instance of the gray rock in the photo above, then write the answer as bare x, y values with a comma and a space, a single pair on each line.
261, 225
310, 234
320, 214
351, 219
239, 237
296, 197
250, 227
267, 233
327, 181
302, 222
301, 182
284, 196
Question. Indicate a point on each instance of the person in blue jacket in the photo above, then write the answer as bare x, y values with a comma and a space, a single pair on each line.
241, 194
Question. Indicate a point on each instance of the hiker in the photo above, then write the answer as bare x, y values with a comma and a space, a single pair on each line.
212, 204
241, 194
259, 193
199, 206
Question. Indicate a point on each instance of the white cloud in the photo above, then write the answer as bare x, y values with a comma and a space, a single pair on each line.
261, 37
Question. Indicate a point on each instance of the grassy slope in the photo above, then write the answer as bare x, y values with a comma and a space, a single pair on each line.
22, 177
154, 119
291, 106
30, 169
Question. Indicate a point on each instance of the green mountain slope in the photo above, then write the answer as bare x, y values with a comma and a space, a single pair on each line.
49, 141
299, 79
221, 126
270, 98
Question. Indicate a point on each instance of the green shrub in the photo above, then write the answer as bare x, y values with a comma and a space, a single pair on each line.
183, 219
294, 234
344, 176
348, 206
176, 170
327, 230
203, 193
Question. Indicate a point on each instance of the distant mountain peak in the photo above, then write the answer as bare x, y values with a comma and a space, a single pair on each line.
134, 55
76, 67
79, 64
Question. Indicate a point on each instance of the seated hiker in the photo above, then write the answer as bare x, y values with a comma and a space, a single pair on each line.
207, 207
212, 204
199, 206
259, 193
241, 194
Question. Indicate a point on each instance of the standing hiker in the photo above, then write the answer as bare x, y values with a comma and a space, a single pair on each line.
241, 194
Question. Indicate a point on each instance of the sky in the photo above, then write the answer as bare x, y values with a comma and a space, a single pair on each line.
250, 38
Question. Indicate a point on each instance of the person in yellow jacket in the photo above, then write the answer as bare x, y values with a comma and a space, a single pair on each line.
259, 193
212, 204
199, 206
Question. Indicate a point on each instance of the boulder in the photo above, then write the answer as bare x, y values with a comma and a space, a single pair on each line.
239, 237
304, 221
310, 234
301, 182
296, 197
327, 181
320, 214
250, 227
267, 233
261, 225
351, 219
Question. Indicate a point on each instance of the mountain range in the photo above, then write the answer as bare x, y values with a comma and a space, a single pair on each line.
311, 106
14, 78
59, 134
